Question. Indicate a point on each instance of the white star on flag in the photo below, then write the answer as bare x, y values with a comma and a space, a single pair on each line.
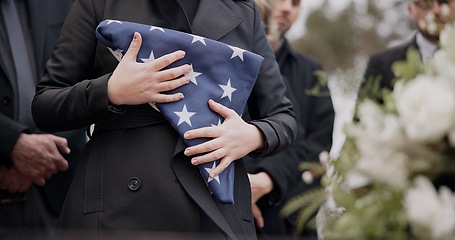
151, 58
113, 21
192, 75
218, 124
227, 90
198, 39
156, 28
217, 178
184, 116
238, 52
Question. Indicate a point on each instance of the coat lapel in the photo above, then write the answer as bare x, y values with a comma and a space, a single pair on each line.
214, 27
191, 180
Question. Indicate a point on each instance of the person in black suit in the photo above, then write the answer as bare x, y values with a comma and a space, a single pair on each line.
276, 179
426, 41
33, 190
134, 175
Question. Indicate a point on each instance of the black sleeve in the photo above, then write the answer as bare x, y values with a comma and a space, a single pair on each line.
9, 133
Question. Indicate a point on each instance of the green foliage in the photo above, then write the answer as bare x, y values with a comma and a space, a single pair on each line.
408, 69
379, 215
306, 204
315, 168
323, 80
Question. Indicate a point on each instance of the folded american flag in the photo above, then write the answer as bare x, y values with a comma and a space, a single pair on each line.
220, 72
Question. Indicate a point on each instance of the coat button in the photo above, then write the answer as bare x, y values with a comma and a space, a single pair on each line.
134, 184
6, 100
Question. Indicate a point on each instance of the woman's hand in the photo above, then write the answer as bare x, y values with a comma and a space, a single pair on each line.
135, 83
230, 141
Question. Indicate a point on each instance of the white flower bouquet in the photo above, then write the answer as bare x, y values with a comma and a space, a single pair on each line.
391, 176
394, 175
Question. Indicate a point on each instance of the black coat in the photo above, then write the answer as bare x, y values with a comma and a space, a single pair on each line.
138, 144
45, 19
380, 64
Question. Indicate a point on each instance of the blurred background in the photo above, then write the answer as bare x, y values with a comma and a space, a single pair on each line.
342, 34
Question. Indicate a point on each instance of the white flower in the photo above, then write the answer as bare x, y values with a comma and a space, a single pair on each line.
429, 211
307, 177
445, 10
384, 165
371, 116
444, 58
426, 109
391, 130
355, 180
379, 127
324, 158
444, 66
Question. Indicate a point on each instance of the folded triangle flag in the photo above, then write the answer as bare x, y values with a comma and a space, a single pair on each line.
220, 72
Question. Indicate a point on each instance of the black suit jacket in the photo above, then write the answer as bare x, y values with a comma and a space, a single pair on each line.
73, 93
380, 64
45, 18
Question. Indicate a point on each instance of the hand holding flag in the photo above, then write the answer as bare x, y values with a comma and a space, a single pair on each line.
216, 71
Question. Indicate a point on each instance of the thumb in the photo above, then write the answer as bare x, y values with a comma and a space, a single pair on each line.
134, 48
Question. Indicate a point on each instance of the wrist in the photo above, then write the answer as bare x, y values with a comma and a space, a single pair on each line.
259, 143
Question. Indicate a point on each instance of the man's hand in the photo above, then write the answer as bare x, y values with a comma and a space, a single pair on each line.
38, 156
13, 181
261, 184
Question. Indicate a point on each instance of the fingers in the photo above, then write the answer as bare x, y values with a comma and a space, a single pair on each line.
209, 157
165, 98
167, 60
23, 183
61, 143
205, 132
224, 163
9, 183
40, 181
134, 48
222, 110
257, 214
173, 73
172, 84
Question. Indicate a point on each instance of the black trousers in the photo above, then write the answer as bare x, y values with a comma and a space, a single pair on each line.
26, 216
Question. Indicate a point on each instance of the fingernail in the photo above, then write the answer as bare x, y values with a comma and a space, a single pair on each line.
182, 53
187, 152
186, 135
212, 175
135, 36
194, 161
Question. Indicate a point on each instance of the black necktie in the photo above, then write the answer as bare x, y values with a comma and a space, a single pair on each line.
22, 62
